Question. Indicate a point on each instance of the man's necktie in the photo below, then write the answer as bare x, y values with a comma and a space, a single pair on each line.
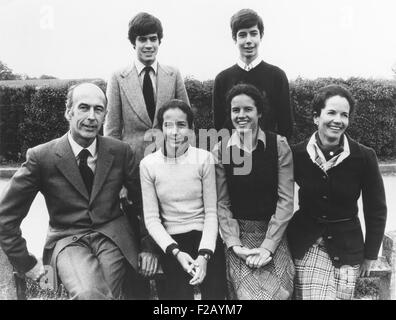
148, 93
86, 172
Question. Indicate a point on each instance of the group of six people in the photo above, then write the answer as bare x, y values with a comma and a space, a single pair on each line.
221, 218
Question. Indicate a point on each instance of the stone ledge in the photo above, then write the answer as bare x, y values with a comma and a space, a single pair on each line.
7, 281
388, 168
381, 268
6, 173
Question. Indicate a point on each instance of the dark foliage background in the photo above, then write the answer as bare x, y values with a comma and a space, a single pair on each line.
32, 111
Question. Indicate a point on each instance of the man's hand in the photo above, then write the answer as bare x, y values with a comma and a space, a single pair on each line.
366, 267
148, 264
242, 252
259, 257
200, 270
36, 272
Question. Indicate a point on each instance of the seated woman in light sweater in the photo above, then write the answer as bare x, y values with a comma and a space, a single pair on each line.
179, 203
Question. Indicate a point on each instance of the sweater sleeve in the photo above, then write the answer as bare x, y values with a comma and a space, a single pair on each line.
284, 208
374, 205
210, 229
15, 202
229, 227
218, 104
151, 212
284, 110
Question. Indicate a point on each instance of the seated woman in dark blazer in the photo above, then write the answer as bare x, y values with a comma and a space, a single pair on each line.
255, 187
325, 235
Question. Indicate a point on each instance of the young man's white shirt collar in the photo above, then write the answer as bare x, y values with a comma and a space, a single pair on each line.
140, 66
235, 140
153, 75
76, 148
251, 65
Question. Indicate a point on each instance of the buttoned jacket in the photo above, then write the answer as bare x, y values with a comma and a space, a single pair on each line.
328, 205
127, 117
52, 169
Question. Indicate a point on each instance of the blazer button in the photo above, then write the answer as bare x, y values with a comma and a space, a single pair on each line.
336, 258
74, 238
324, 177
324, 197
329, 237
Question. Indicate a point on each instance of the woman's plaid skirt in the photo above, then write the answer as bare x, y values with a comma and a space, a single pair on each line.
273, 281
317, 278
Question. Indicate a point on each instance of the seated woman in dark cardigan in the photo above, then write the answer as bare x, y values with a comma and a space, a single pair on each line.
255, 187
325, 235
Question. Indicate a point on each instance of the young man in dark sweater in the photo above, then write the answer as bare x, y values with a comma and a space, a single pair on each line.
247, 31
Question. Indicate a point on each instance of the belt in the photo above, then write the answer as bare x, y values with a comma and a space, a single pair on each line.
324, 220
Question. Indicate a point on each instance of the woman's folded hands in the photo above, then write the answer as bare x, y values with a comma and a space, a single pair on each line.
254, 258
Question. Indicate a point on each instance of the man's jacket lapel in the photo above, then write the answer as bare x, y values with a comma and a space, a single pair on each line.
67, 165
164, 83
131, 85
103, 166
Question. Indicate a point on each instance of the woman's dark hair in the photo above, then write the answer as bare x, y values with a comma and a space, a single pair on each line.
175, 104
250, 90
246, 18
142, 24
320, 98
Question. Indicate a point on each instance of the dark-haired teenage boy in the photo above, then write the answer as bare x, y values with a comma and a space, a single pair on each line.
137, 92
247, 32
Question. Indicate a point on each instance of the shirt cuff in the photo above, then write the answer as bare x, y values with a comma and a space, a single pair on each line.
269, 244
233, 241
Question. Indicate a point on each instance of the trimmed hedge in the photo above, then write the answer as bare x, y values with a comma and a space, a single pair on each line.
12, 105
30, 115
373, 122
44, 117
200, 95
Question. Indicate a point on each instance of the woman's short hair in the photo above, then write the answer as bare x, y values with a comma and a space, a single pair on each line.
142, 24
246, 18
175, 104
260, 100
324, 93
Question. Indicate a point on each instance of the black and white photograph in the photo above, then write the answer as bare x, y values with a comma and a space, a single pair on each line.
199, 154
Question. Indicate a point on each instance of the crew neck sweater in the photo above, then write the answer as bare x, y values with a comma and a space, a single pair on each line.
271, 81
179, 195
